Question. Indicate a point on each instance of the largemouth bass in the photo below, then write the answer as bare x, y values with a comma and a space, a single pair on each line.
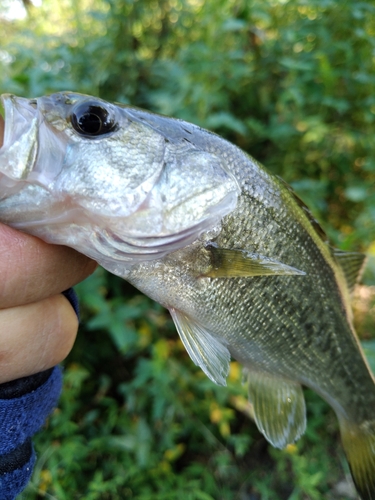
202, 228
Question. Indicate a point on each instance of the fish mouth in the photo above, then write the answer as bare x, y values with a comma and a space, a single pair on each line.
20, 156
1, 124
19, 142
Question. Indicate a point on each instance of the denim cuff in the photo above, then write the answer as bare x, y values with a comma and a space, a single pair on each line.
22, 417
15, 470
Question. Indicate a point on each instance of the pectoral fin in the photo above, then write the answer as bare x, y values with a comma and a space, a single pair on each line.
232, 263
279, 408
204, 349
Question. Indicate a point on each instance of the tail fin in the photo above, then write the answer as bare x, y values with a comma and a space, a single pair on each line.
359, 446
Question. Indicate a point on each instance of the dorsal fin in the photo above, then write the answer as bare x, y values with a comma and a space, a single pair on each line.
315, 224
352, 263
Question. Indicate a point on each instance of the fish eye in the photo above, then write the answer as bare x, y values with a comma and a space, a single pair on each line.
92, 119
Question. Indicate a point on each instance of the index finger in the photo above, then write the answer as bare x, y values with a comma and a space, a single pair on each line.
32, 270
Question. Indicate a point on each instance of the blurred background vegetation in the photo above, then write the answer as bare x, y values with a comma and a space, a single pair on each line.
292, 82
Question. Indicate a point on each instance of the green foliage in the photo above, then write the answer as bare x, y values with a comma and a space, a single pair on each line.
291, 82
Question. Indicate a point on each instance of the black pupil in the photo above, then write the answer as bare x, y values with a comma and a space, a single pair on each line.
91, 120
90, 123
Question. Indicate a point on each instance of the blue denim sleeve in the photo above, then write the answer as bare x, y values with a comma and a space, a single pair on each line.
24, 406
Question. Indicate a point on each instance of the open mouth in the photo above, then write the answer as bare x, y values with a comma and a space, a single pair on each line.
18, 133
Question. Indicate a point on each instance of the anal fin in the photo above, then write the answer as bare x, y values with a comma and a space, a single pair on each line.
279, 408
205, 349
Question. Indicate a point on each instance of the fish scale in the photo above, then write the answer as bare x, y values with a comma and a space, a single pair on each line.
258, 293
198, 225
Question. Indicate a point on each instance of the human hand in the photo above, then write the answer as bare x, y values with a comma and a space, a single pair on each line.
38, 325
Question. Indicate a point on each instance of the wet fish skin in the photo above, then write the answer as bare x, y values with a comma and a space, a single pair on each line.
278, 323
258, 283
286, 330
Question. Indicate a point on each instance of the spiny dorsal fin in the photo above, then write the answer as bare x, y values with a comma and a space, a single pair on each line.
314, 223
205, 349
352, 263
232, 263
279, 407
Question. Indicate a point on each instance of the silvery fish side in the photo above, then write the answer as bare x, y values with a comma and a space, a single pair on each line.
202, 228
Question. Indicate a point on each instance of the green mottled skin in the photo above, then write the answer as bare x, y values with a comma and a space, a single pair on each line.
295, 326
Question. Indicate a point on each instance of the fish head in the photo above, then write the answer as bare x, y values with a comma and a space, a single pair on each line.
119, 184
